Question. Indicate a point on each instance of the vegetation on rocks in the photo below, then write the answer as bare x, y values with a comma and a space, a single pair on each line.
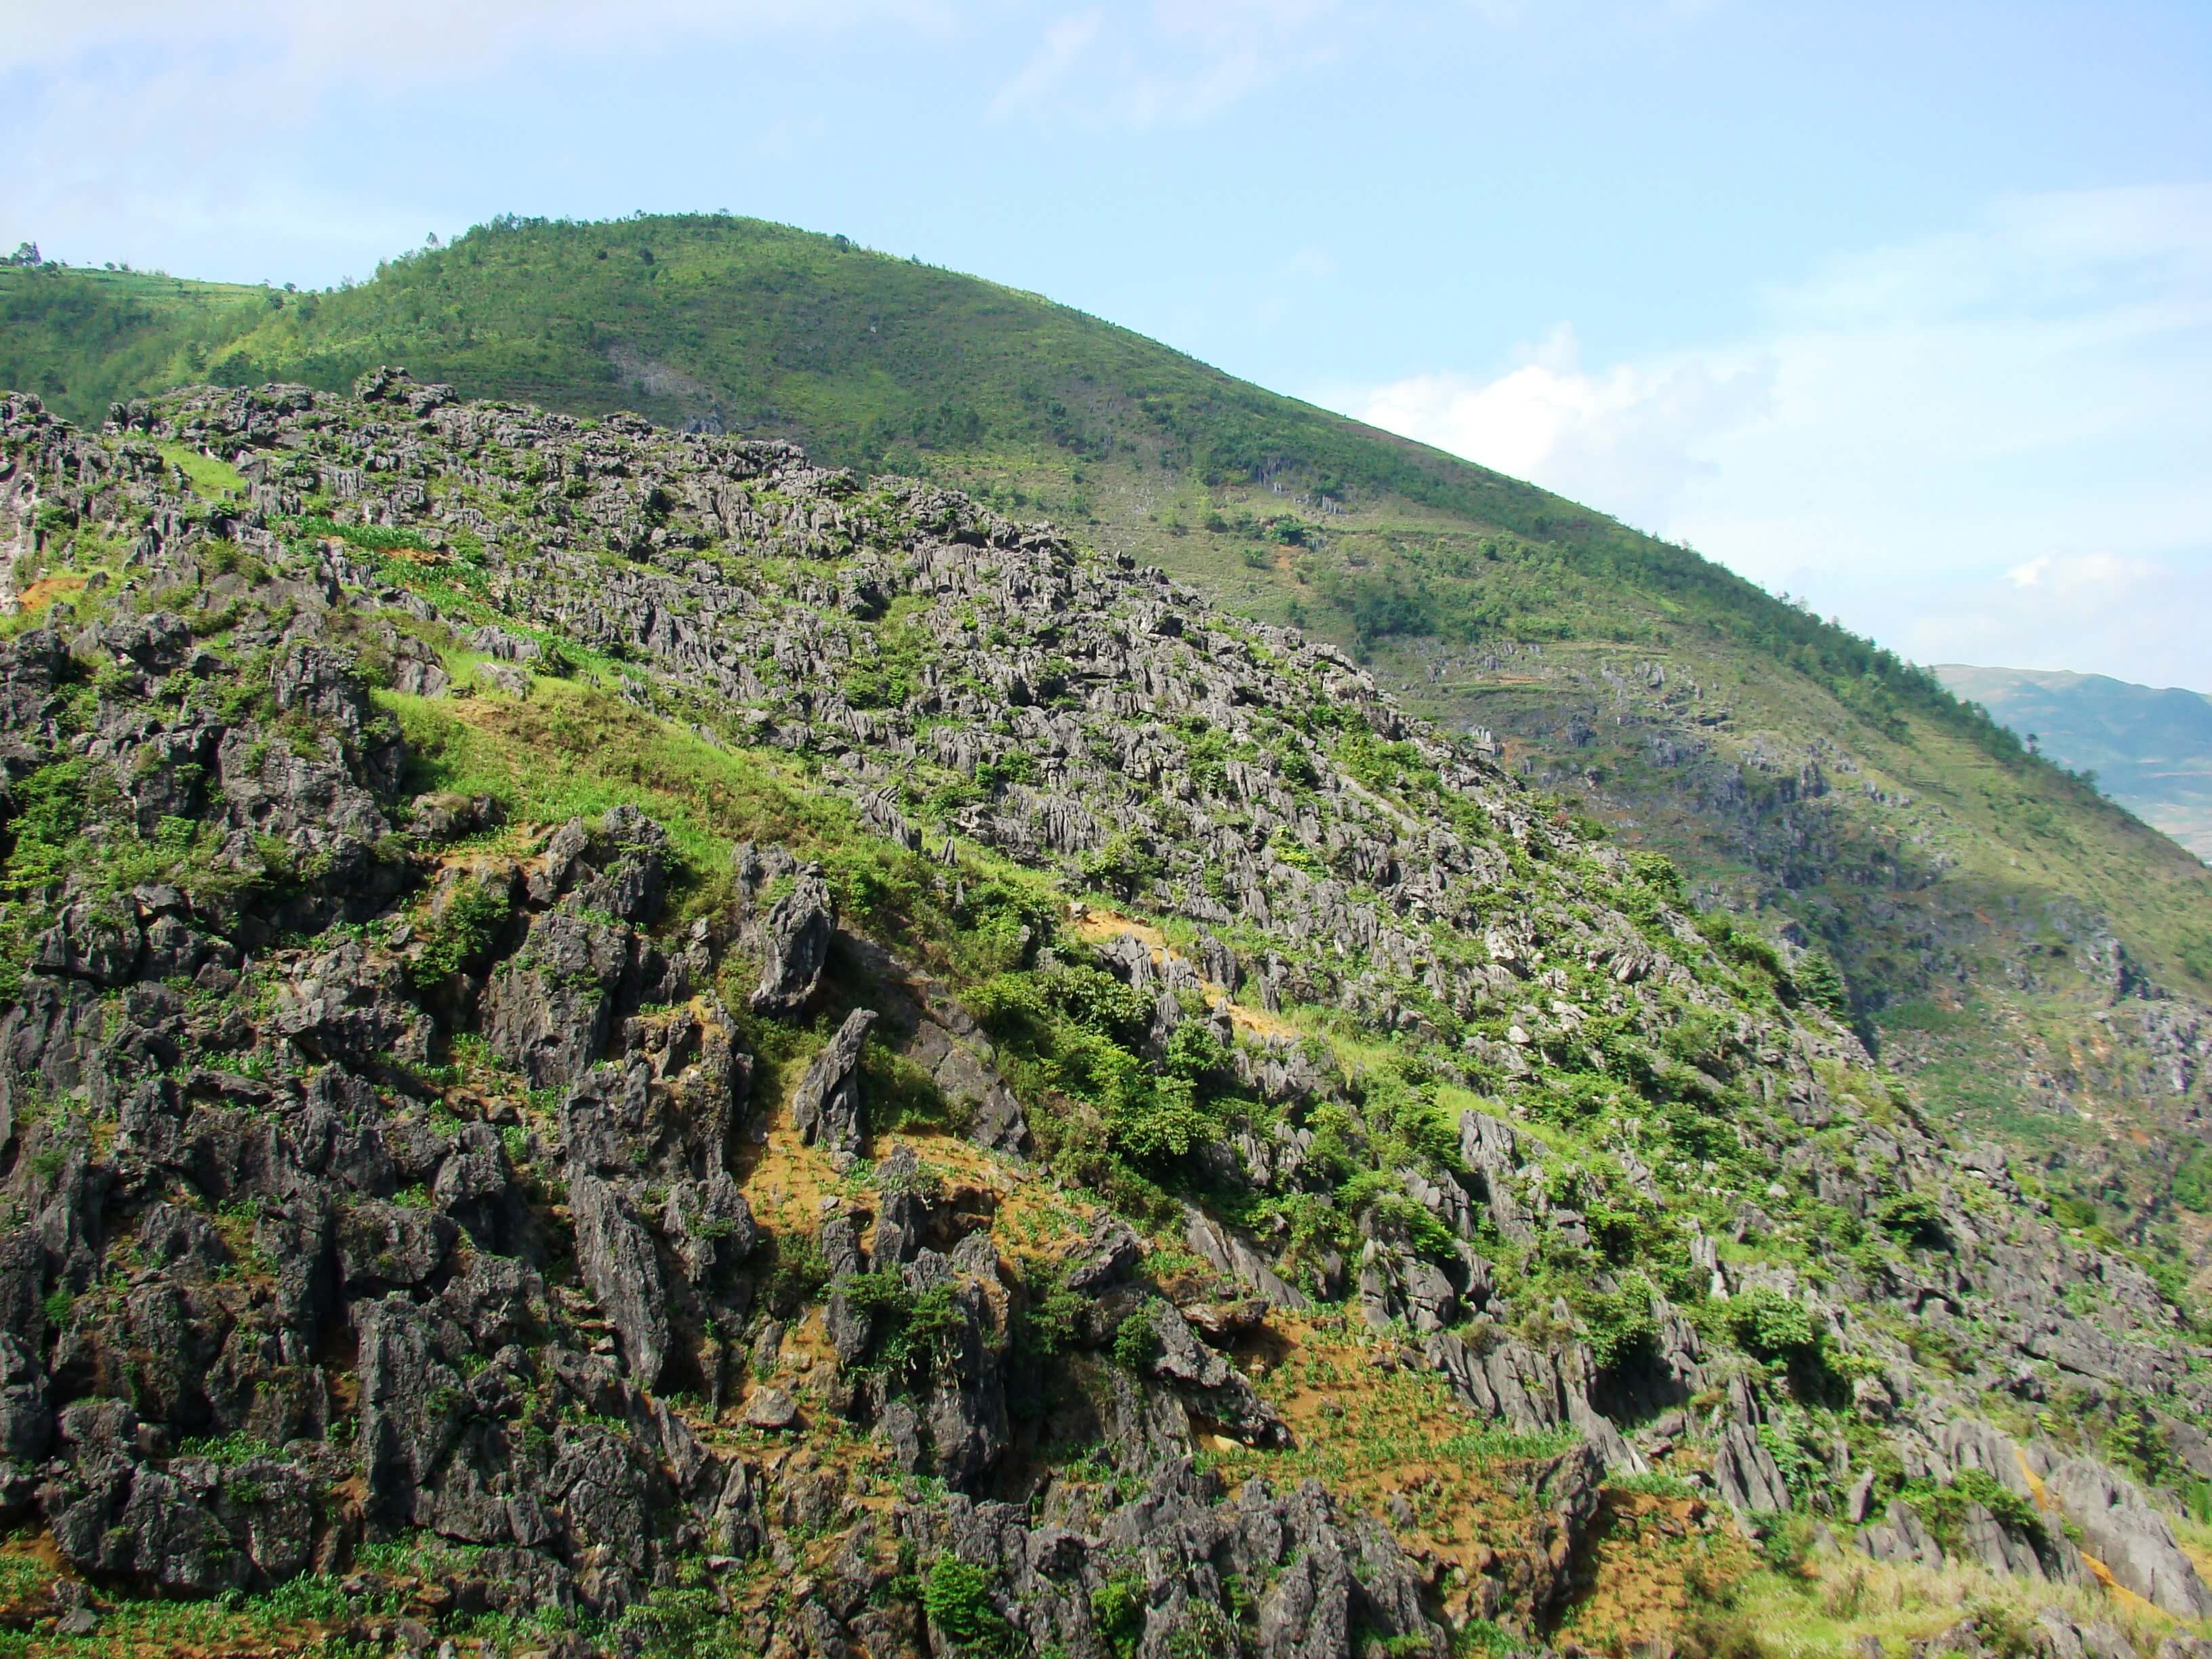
2038, 960
543, 1107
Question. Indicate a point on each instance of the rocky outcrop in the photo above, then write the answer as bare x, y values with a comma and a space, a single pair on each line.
377, 1165
1314, 1580
827, 1108
614, 1255
796, 935
1230, 1252
2120, 1528
1901, 1536
1745, 1472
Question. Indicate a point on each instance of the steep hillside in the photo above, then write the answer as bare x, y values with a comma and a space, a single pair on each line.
617, 1042
2040, 956
2151, 749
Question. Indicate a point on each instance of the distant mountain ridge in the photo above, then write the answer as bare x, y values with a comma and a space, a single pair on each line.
2150, 748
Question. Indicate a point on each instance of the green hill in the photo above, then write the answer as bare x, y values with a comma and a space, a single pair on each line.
2150, 749
1998, 925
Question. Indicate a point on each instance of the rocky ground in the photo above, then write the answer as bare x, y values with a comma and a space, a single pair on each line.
2021, 1009
616, 1042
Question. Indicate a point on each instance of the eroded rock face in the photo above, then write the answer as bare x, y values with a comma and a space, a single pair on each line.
614, 1255
797, 933
406, 1148
2121, 1529
827, 1110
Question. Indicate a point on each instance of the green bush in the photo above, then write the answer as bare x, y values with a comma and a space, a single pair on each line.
797, 1272
1820, 982
914, 1332
1136, 1341
1117, 1613
900, 1093
50, 808
1772, 1327
1785, 1540
1484, 1639
957, 1599
1125, 867
1050, 1318
1914, 1220
1943, 1507
1657, 871
1619, 1326
462, 935
1742, 946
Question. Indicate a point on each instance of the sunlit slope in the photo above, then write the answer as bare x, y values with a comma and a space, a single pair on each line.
1800, 774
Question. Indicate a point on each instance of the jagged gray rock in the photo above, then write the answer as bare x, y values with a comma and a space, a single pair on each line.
2120, 1528
481, 1160
1901, 1535
796, 937
614, 1255
827, 1109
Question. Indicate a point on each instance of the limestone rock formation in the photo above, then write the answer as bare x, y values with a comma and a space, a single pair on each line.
436, 1113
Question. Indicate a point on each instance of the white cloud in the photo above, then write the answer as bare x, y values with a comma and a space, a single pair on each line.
2095, 611
416, 40
2023, 395
1173, 62
1627, 439
1064, 44
157, 132
2072, 576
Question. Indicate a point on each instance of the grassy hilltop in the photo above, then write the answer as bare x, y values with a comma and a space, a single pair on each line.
2032, 950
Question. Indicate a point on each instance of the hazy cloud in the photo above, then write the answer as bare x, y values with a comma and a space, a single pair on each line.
1940, 442
1065, 45
2097, 612
1145, 65
415, 40
143, 129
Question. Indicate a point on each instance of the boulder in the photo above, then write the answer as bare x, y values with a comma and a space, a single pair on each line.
772, 1408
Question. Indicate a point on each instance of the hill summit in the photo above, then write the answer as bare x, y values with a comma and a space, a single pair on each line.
619, 1041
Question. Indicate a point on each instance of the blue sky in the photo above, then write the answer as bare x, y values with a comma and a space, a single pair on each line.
1906, 309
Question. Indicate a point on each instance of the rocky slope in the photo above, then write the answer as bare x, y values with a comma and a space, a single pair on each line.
1978, 901
1979, 959
615, 1042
